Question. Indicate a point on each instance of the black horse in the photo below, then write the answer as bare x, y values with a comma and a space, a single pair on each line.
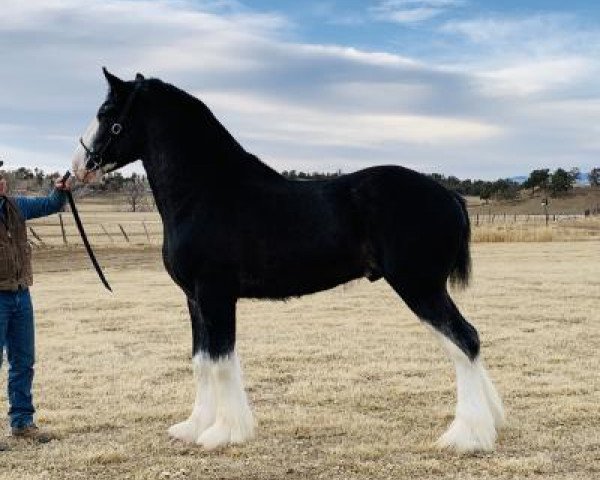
235, 228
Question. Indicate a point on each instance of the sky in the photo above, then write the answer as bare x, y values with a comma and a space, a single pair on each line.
471, 88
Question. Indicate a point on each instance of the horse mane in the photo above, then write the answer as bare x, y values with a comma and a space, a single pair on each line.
193, 106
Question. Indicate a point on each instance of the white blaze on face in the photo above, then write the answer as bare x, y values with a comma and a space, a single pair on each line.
79, 157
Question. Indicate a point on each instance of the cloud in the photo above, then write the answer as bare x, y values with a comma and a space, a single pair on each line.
500, 108
294, 124
503, 30
56, 49
535, 77
529, 56
411, 11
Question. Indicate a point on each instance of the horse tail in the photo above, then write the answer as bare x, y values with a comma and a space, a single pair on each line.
461, 270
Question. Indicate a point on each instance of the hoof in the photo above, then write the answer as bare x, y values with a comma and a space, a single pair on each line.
469, 436
186, 431
220, 435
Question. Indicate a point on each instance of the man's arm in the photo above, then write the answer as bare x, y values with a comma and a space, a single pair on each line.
34, 207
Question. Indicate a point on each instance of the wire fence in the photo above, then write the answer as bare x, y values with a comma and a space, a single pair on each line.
61, 229
478, 219
145, 228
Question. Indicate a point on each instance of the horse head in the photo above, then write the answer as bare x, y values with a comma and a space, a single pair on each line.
115, 137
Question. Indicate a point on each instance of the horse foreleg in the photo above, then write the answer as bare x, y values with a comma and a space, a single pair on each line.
204, 410
234, 422
222, 414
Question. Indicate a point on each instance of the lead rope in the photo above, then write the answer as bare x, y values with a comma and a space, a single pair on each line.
88, 247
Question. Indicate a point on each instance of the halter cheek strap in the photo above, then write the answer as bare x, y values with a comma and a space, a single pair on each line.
96, 157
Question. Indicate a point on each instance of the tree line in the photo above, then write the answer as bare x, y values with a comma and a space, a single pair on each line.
294, 175
556, 183
134, 188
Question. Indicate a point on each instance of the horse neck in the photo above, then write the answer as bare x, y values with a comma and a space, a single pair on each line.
187, 158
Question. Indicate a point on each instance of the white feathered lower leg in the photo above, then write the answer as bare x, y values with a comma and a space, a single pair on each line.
204, 411
478, 408
234, 422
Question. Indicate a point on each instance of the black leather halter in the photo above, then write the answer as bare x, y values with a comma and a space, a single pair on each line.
96, 157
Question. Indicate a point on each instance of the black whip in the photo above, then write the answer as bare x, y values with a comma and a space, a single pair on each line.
88, 247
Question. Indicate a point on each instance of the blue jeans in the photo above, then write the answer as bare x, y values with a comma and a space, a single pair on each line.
18, 338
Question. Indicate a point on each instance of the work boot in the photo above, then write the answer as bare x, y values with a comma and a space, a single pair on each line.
33, 433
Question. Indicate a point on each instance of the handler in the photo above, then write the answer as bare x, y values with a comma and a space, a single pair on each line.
16, 311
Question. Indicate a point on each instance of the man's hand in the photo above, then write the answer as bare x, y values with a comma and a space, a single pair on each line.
61, 184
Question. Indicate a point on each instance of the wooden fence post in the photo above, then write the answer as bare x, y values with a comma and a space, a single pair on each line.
37, 237
62, 227
107, 234
123, 232
146, 230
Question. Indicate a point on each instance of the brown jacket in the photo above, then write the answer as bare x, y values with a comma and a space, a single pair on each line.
15, 251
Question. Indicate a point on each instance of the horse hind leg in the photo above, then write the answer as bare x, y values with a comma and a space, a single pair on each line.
479, 411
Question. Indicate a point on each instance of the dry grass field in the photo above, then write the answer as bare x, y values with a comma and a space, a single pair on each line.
346, 384
535, 230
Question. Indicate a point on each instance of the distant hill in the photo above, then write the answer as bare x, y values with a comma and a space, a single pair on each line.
583, 179
519, 179
577, 201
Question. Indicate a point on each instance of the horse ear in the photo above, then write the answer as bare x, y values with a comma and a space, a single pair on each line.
139, 77
115, 83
